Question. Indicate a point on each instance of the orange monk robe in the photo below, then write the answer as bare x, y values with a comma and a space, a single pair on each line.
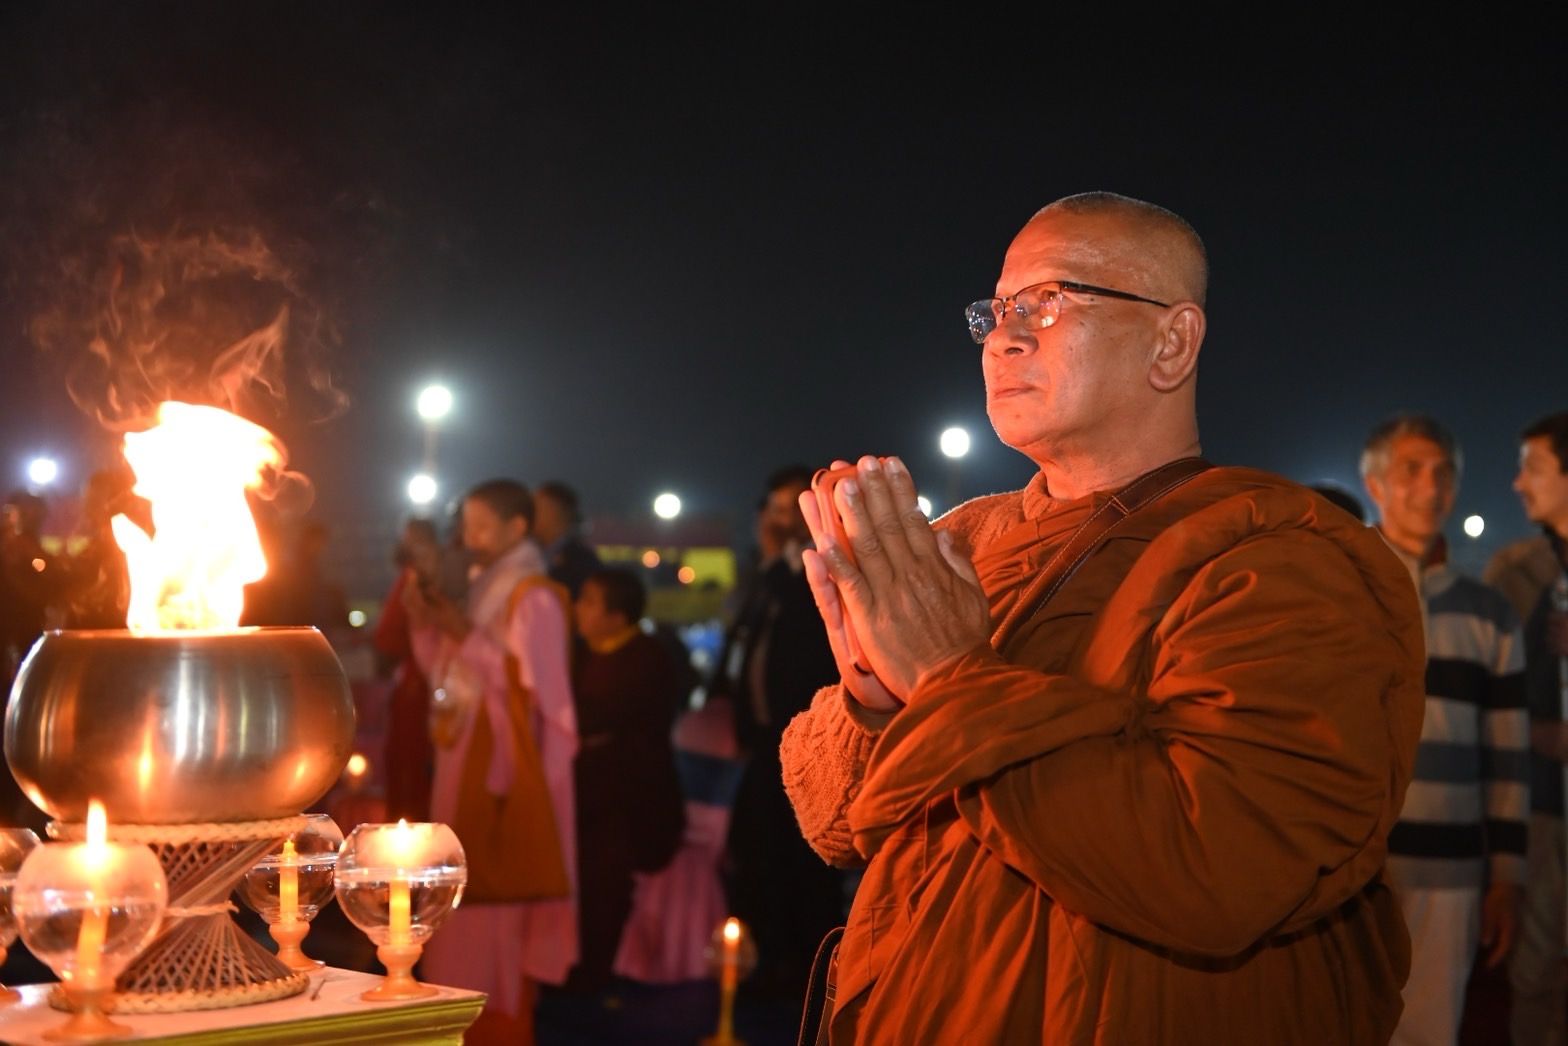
1159, 814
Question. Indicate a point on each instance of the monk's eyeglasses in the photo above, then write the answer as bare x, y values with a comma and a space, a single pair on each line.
1036, 307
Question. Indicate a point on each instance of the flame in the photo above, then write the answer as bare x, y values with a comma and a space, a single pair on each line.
732, 929
194, 466
97, 824
95, 855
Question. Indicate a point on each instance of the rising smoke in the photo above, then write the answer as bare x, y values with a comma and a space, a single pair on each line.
147, 258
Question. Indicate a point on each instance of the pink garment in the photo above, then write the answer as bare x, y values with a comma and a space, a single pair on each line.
491, 947
676, 909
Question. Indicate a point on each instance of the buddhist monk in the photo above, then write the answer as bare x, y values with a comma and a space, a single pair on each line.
1150, 802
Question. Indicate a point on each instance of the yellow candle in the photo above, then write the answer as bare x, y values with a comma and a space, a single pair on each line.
399, 920
288, 883
89, 945
96, 858
404, 844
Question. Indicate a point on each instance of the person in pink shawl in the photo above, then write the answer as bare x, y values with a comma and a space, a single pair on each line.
513, 614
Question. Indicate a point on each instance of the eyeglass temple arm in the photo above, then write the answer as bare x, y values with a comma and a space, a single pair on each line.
1089, 288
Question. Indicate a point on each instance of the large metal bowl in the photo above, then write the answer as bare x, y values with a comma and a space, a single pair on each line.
173, 728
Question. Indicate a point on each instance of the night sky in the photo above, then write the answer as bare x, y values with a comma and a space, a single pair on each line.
674, 250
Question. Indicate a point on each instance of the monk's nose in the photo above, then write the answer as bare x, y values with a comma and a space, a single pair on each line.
1010, 339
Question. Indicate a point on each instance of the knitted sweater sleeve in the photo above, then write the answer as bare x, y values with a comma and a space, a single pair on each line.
824, 754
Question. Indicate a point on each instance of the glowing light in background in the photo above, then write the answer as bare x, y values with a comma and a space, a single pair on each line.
666, 506
356, 618
434, 402
42, 471
954, 442
1474, 525
650, 559
422, 489
686, 575
924, 504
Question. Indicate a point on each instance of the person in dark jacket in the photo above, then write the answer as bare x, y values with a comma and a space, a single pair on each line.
775, 657
630, 811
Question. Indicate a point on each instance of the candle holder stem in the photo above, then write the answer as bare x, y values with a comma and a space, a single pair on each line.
87, 1020
290, 935
399, 983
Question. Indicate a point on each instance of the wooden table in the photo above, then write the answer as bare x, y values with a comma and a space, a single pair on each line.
329, 1011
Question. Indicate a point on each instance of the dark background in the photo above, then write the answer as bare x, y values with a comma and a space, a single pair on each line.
671, 247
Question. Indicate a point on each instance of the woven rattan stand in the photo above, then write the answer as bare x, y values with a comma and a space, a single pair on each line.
200, 960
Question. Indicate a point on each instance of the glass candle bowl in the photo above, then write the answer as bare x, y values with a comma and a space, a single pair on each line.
289, 887
86, 910
398, 883
15, 845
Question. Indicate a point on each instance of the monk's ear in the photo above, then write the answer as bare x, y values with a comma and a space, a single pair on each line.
1176, 353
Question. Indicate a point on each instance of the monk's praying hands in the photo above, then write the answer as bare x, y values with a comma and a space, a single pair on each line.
901, 599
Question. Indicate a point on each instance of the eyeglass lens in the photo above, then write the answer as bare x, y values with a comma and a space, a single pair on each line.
1036, 307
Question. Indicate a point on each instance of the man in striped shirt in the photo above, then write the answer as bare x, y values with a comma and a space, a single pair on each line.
1457, 855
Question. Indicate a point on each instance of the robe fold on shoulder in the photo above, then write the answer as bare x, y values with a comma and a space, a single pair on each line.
1159, 813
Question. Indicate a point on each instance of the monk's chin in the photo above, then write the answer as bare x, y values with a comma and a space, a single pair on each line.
1018, 428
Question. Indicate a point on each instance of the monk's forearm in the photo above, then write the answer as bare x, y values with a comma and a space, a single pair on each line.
823, 754
968, 720
1196, 845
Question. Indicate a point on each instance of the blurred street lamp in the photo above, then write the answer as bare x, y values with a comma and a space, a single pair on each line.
42, 471
924, 504
422, 488
666, 506
1474, 525
434, 402
954, 442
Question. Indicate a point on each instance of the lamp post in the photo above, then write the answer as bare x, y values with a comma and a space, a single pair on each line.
433, 404
954, 443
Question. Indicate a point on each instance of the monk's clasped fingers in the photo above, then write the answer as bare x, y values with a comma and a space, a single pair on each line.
892, 540
906, 507
877, 542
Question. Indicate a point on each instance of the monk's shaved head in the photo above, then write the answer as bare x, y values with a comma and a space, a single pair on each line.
1142, 240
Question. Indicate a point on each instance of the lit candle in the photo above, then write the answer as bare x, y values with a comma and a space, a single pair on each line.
399, 917
96, 856
729, 971
288, 883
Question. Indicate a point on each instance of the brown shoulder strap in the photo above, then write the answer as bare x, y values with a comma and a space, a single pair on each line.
534, 581
513, 673
1145, 490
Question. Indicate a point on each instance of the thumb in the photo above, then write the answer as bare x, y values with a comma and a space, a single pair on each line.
961, 564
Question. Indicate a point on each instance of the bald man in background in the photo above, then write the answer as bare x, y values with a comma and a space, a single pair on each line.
1146, 800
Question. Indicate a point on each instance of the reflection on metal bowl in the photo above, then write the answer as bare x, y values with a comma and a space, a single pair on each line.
179, 728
